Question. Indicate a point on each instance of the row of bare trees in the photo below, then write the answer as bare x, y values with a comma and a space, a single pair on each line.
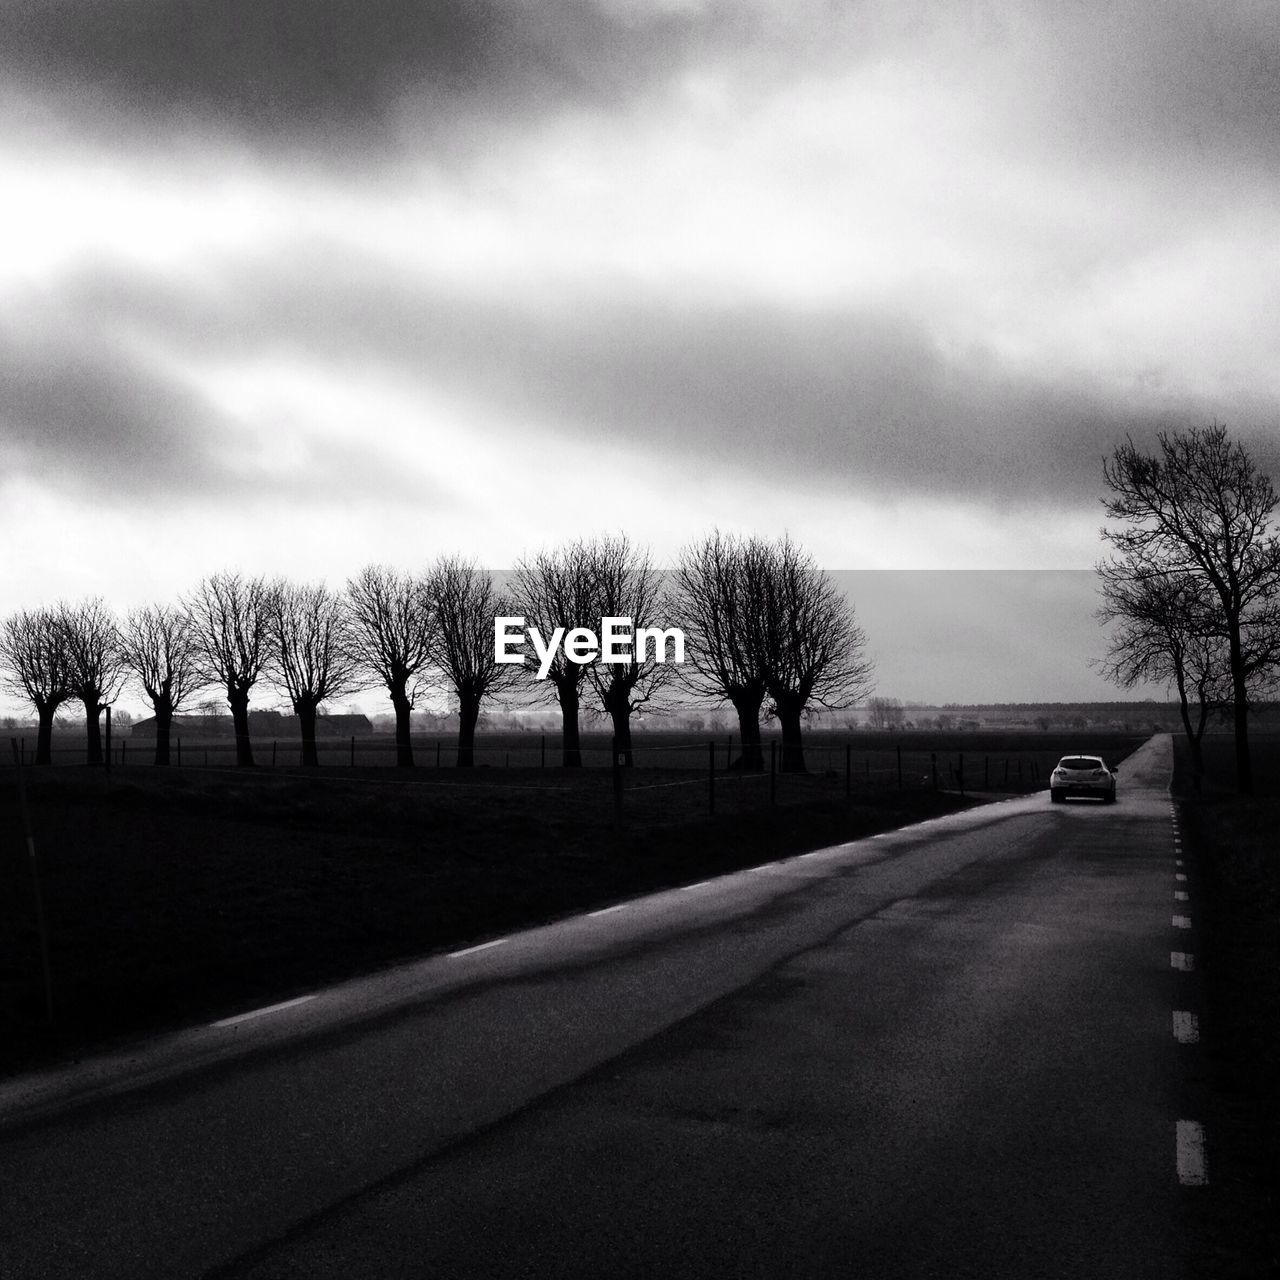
765, 630
1193, 585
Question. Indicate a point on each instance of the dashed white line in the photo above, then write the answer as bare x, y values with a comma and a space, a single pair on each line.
1190, 1144
1180, 895
259, 1013
1180, 876
470, 951
1182, 960
1186, 1027
604, 911
1177, 862
1182, 922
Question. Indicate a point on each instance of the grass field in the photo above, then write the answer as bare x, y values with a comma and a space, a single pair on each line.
176, 895
1236, 886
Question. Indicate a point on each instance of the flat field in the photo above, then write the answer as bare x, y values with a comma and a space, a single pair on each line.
173, 896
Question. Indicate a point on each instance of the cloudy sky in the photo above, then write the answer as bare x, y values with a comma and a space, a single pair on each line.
294, 285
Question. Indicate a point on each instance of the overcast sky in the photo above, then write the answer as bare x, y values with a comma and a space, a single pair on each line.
294, 285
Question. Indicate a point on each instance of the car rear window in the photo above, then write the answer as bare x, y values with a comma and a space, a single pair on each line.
1079, 762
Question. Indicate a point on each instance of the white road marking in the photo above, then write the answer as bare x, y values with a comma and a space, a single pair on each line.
1186, 1027
259, 1013
470, 951
1183, 960
1182, 922
604, 911
1191, 1167
1177, 862
1180, 895
688, 888
1180, 875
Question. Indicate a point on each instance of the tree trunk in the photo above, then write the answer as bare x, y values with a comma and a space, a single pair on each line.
748, 708
93, 730
239, 703
306, 710
1184, 709
468, 717
792, 748
1240, 708
164, 731
568, 695
621, 717
404, 743
44, 734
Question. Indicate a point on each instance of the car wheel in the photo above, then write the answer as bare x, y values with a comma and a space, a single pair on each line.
1055, 795
1111, 799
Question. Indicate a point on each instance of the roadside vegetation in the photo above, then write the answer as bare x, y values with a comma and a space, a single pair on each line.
1235, 842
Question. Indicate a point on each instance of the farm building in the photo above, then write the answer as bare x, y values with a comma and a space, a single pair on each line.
262, 724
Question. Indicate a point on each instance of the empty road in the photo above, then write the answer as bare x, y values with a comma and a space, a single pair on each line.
947, 1051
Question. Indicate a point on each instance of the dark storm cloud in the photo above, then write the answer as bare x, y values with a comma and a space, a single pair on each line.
1164, 79
318, 72
87, 409
80, 410
855, 399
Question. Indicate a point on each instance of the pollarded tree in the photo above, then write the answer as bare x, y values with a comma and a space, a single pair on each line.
624, 584
465, 603
391, 626
34, 655
555, 590
231, 620
157, 644
313, 657
1201, 509
815, 652
94, 664
719, 588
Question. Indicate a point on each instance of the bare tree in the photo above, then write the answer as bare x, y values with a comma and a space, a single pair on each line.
314, 659
391, 628
465, 603
1164, 631
94, 664
884, 713
231, 620
815, 653
34, 655
719, 585
1202, 510
158, 646
555, 590
624, 584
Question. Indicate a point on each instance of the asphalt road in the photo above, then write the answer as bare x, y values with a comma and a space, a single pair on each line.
946, 1051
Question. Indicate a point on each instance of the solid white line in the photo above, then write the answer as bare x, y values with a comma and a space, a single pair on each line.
1180, 876
688, 888
1180, 895
470, 951
1191, 1170
258, 1013
1183, 960
604, 911
1182, 922
1186, 1027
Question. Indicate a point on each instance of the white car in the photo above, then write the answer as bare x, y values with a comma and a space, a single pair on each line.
1082, 776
